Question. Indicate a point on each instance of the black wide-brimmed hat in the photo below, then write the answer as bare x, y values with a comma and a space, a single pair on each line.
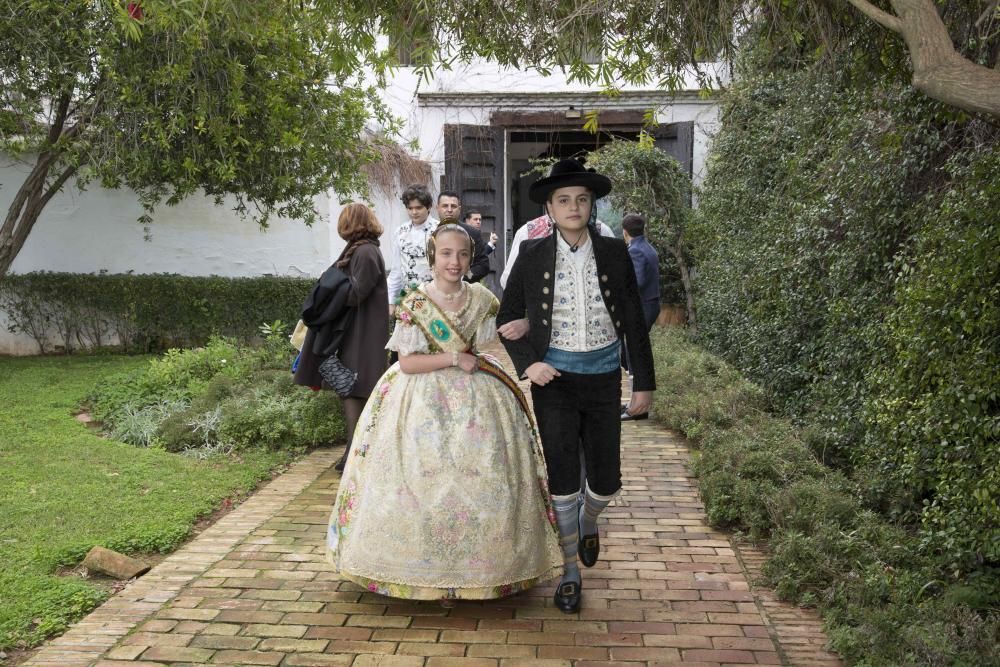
567, 173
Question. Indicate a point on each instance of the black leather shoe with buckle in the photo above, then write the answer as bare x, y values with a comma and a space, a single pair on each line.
589, 549
567, 597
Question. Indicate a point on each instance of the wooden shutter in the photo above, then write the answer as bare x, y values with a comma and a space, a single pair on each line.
473, 167
677, 141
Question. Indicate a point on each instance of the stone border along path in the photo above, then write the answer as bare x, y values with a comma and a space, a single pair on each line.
255, 589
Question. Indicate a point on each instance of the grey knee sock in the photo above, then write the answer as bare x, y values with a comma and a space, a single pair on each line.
592, 507
567, 511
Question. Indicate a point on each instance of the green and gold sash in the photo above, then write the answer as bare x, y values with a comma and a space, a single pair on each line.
441, 333
442, 336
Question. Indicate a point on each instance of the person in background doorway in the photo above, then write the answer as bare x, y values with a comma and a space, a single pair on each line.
646, 263
449, 208
410, 262
474, 218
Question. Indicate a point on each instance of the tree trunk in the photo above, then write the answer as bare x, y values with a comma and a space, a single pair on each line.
939, 71
677, 250
27, 206
33, 194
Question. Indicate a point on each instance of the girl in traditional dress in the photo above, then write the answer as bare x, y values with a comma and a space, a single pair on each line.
445, 493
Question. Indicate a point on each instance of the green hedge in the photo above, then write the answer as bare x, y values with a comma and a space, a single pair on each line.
885, 599
144, 313
848, 240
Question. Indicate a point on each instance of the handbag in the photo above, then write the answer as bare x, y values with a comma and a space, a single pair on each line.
298, 336
339, 377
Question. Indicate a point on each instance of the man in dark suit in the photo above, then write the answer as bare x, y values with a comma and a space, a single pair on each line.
578, 291
647, 276
449, 207
646, 263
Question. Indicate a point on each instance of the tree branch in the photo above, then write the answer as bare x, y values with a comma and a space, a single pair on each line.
57, 185
57, 123
884, 19
939, 71
990, 9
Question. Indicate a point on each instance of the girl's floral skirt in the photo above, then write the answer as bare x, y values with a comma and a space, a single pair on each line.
444, 494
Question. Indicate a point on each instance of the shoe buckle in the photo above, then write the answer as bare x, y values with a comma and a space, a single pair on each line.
569, 588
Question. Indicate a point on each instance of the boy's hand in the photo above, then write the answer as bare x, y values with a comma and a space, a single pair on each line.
541, 373
640, 403
514, 329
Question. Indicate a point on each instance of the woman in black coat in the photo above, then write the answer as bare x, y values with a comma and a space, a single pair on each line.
362, 345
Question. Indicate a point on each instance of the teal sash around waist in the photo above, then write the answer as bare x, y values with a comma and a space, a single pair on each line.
594, 362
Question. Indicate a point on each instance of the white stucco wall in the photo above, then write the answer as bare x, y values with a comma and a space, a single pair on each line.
96, 230
424, 124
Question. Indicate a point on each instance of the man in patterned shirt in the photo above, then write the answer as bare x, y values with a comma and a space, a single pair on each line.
410, 262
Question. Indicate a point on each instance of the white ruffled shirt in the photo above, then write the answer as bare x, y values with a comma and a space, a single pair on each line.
410, 263
580, 320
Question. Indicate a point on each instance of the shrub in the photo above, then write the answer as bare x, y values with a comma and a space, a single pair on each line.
847, 239
278, 414
935, 410
751, 473
653, 184
696, 391
140, 426
886, 599
218, 399
144, 313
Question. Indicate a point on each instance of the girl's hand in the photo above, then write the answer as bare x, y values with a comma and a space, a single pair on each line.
468, 362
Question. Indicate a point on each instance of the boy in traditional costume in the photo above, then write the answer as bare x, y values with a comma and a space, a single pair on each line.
578, 291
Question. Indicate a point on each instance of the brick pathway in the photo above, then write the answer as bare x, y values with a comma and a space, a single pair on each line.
254, 589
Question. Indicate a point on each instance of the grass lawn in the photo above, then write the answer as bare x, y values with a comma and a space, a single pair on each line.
63, 489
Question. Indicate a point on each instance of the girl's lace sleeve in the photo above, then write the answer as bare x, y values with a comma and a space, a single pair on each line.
407, 339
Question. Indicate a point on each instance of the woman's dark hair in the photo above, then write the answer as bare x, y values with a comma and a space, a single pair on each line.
418, 192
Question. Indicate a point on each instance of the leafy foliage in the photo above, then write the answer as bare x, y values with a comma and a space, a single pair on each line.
264, 105
223, 397
650, 182
264, 101
671, 43
847, 248
934, 412
65, 490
